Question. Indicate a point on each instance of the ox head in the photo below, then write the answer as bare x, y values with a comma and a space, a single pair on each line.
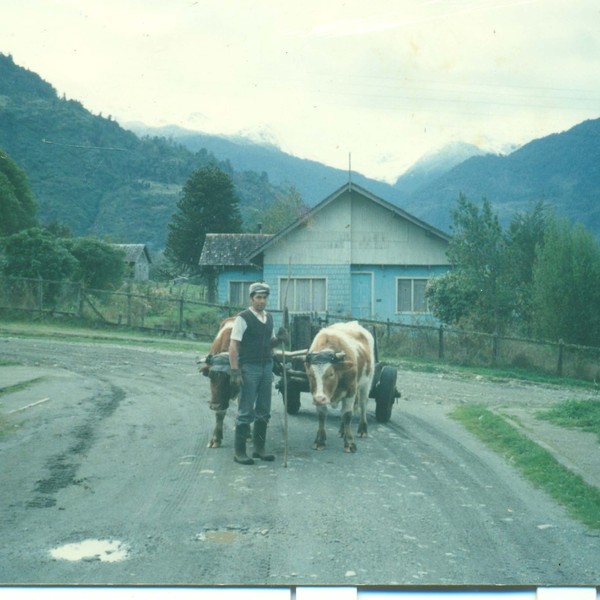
217, 368
324, 369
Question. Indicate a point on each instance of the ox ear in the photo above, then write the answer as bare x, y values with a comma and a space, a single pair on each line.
308, 358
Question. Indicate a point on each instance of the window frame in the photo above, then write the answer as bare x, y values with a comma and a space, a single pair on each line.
412, 311
293, 301
245, 289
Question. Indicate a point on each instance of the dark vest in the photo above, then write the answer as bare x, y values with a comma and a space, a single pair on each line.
256, 341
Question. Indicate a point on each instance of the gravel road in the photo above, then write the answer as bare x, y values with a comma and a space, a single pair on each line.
107, 479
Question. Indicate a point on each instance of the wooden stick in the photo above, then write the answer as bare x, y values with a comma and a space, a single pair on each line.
285, 400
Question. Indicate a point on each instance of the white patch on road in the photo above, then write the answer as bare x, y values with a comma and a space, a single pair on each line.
102, 550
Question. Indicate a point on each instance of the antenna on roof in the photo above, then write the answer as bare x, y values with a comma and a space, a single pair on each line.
349, 170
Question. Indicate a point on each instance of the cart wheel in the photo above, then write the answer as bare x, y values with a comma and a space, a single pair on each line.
385, 394
293, 399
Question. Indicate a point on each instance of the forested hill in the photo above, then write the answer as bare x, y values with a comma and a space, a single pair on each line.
91, 174
562, 170
313, 180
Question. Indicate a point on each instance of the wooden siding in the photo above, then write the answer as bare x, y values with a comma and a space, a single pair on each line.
354, 230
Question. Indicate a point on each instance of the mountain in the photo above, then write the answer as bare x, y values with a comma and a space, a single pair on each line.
313, 180
92, 175
435, 164
99, 178
562, 170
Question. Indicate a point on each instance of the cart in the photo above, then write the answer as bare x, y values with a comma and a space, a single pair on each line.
295, 381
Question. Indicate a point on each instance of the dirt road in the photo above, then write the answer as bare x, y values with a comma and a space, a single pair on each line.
107, 479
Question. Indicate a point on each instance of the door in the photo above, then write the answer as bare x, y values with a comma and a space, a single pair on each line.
362, 294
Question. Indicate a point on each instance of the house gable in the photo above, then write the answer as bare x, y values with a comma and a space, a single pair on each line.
353, 227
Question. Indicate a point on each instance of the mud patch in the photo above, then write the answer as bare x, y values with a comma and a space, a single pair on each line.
228, 535
88, 550
63, 467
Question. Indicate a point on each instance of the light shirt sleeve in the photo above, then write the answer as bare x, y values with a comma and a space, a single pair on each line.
239, 327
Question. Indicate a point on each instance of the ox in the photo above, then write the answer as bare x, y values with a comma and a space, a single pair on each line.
340, 365
216, 367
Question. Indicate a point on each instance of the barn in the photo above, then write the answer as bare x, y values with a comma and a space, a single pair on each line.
137, 261
354, 254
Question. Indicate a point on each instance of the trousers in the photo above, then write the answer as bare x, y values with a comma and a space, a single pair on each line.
255, 395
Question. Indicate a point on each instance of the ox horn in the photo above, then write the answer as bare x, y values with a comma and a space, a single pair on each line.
340, 356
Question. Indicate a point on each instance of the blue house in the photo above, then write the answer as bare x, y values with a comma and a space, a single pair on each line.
354, 254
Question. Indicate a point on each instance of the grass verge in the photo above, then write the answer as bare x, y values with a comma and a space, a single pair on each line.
76, 333
577, 414
10, 389
581, 500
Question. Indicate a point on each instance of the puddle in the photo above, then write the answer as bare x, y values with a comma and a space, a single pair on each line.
102, 550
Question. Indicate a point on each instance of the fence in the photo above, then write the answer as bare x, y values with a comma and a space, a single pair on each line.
181, 310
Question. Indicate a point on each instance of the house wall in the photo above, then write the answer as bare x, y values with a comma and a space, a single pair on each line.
355, 230
234, 274
352, 234
385, 289
142, 269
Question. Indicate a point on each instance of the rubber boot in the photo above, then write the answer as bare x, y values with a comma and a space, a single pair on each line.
259, 437
240, 456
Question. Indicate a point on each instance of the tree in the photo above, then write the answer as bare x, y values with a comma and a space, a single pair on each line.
566, 298
491, 282
476, 254
99, 265
284, 210
209, 205
18, 206
37, 253
524, 238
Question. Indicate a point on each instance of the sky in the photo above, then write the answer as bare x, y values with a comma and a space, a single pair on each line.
375, 84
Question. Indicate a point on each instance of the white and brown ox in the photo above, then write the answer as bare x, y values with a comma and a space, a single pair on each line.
340, 364
216, 367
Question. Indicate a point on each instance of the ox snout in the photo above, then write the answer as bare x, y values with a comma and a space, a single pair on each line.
320, 400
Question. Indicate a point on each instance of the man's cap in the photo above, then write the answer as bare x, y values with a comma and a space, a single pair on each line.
259, 288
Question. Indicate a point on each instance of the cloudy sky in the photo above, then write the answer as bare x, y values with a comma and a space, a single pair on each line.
384, 80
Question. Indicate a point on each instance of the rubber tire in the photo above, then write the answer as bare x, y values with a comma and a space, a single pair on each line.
386, 394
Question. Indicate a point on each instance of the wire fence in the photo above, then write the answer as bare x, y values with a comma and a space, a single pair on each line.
184, 311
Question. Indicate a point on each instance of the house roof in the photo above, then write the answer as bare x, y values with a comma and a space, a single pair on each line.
348, 187
133, 251
230, 249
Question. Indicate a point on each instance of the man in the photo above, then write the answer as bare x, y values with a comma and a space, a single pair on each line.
251, 359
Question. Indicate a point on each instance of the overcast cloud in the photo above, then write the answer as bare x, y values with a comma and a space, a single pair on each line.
387, 80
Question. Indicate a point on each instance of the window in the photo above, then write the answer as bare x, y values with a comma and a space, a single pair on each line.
411, 296
239, 292
304, 294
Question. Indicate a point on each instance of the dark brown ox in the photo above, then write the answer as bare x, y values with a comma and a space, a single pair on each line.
340, 364
216, 367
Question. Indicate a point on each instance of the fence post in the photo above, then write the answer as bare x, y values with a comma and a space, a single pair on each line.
181, 301
495, 339
441, 342
388, 328
129, 304
561, 353
40, 294
79, 300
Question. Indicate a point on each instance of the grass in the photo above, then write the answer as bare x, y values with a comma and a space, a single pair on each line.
491, 373
581, 500
11, 389
76, 332
577, 414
